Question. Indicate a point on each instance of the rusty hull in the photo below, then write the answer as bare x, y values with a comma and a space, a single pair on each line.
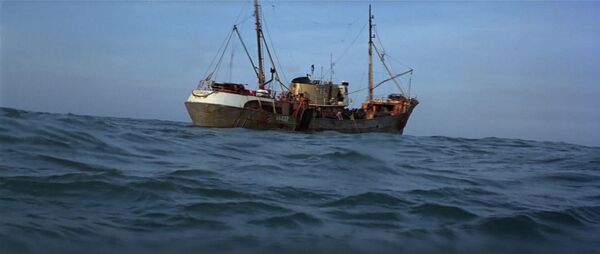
220, 116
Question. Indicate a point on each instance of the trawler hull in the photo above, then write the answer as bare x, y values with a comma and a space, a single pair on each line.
222, 116
381, 124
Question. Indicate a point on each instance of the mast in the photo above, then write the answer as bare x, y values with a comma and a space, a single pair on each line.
370, 56
261, 72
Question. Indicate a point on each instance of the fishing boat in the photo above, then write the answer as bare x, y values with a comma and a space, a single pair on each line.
304, 104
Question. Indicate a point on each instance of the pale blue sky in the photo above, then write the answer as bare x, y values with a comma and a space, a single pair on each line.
507, 69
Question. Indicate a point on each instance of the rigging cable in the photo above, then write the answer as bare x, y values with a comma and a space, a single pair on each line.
386, 80
397, 61
348, 47
246, 49
378, 39
242, 11
274, 50
351, 44
362, 78
392, 77
356, 91
207, 75
230, 70
244, 20
409, 84
389, 56
350, 25
276, 77
218, 65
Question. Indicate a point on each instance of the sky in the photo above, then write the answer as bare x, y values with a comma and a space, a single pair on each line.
527, 70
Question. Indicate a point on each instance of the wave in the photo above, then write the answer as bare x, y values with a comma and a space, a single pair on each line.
446, 192
518, 226
243, 207
70, 180
72, 186
368, 199
291, 193
388, 217
288, 221
442, 211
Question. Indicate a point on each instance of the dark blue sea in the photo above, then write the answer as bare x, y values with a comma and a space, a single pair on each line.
84, 184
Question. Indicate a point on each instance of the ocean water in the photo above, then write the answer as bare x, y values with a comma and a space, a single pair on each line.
84, 184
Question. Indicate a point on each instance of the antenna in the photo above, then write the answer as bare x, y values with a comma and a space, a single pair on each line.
322, 75
331, 67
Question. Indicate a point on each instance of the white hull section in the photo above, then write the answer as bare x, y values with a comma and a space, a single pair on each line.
224, 99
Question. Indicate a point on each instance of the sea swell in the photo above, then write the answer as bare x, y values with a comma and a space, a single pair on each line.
72, 183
